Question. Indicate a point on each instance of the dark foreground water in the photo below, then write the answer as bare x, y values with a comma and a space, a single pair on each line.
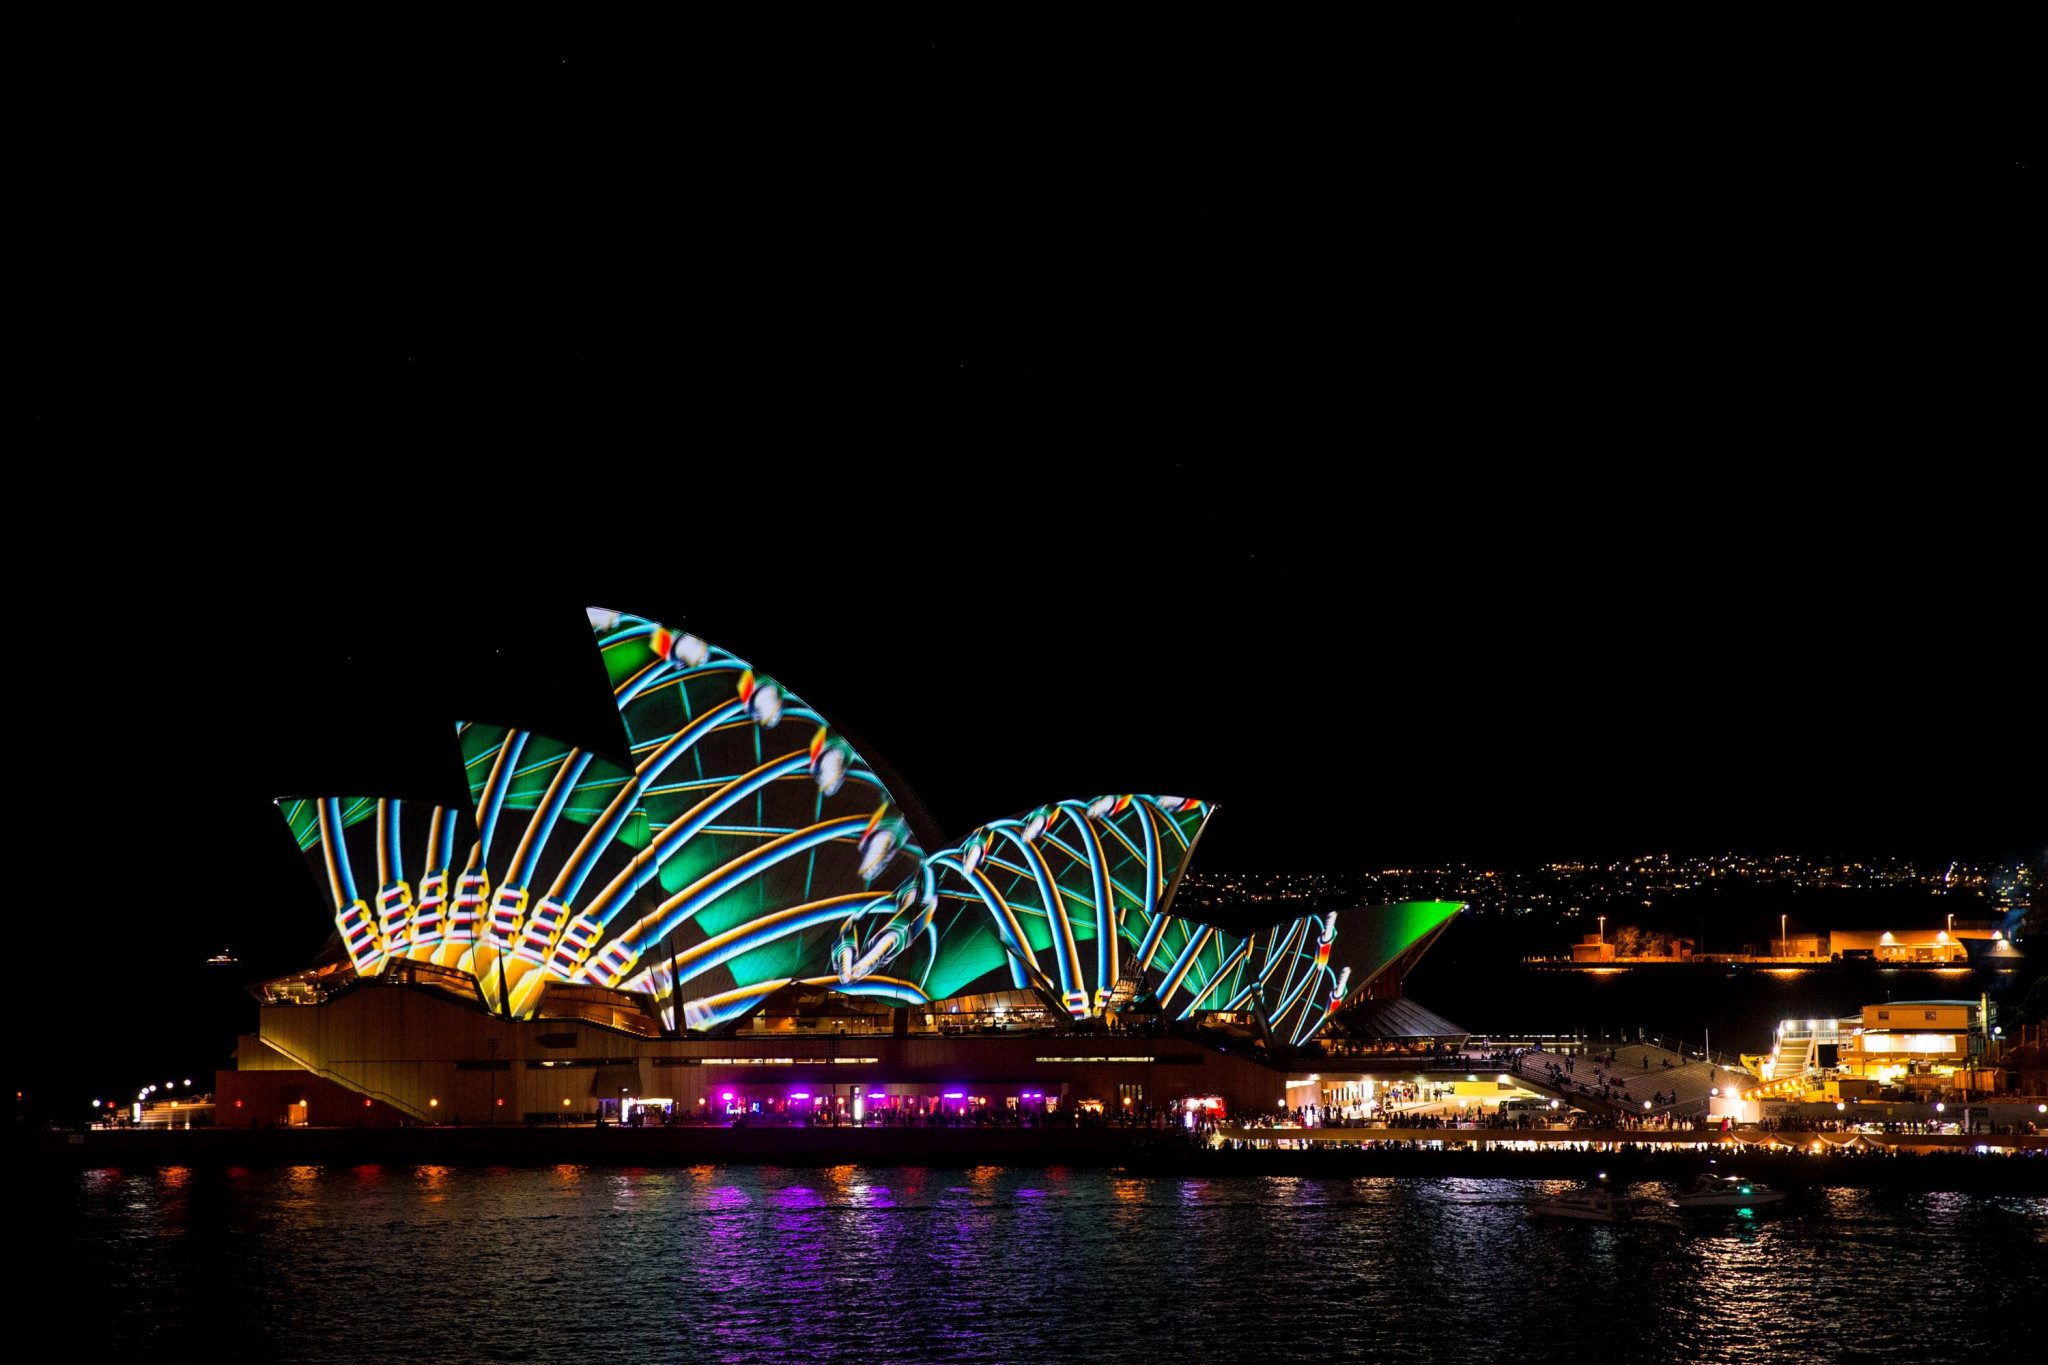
991, 1264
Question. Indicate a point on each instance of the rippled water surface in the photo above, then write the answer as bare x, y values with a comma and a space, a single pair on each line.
991, 1264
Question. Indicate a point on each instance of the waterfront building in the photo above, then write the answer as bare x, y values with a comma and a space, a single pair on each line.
739, 916
1924, 947
1907, 1045
1592, 948
1915, 1037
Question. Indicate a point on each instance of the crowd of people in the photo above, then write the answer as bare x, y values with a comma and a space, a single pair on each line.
1381, 1117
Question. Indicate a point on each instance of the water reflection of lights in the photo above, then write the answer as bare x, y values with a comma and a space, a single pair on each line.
1736, 1287
800, 1199
727, 1198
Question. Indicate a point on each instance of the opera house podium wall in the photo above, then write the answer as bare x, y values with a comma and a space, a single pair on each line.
421, 1058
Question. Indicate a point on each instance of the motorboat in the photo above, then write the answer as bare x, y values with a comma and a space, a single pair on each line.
1712, 1191
1595, 1204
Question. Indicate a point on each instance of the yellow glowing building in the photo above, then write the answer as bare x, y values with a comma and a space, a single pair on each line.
1909, 1037
1884, 1044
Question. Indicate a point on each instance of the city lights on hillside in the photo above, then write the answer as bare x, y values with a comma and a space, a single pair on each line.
1573, 889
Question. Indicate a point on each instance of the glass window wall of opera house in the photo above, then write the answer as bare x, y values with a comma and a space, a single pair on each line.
737, 919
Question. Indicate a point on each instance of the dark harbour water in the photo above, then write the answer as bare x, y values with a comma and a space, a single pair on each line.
995, 1264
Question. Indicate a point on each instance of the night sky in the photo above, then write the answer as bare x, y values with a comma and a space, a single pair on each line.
1430, 465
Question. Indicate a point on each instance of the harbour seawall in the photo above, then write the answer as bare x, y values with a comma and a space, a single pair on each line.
2020, 1166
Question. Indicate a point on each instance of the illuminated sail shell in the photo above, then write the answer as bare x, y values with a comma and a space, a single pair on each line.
385, 866
712, 869
739, 844
1069, 900
1373, 940
1073, 901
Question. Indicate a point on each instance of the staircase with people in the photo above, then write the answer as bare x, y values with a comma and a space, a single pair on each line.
1636, 1079
1670, 1081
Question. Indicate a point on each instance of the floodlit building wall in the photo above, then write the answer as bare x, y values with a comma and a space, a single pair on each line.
1900, 945
273, 1097
432, 1060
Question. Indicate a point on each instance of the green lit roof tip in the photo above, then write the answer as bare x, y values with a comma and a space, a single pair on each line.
1370, 939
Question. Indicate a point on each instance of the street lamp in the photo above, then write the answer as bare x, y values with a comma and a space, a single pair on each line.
1603, 928
1782, 951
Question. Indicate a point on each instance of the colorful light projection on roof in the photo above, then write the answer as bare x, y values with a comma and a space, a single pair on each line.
1073, 901
721, 859
406, 911
1308, 968
1069, 900
743, 846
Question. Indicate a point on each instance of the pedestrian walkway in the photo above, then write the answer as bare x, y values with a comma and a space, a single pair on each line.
1686, 1084
1637, 1079
1571, 1080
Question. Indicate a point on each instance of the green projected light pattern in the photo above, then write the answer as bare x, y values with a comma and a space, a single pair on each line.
1068, 900
1308, 976
741, 845
719, 861
1371, 943
1020, 898
384, 866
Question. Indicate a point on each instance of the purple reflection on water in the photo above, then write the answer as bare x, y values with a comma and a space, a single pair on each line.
800, 1197
726, 1199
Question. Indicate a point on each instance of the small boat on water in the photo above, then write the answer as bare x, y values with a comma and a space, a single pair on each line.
1712, 1191
1595, 1204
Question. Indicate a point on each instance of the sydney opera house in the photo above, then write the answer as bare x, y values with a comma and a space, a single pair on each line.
737, 917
